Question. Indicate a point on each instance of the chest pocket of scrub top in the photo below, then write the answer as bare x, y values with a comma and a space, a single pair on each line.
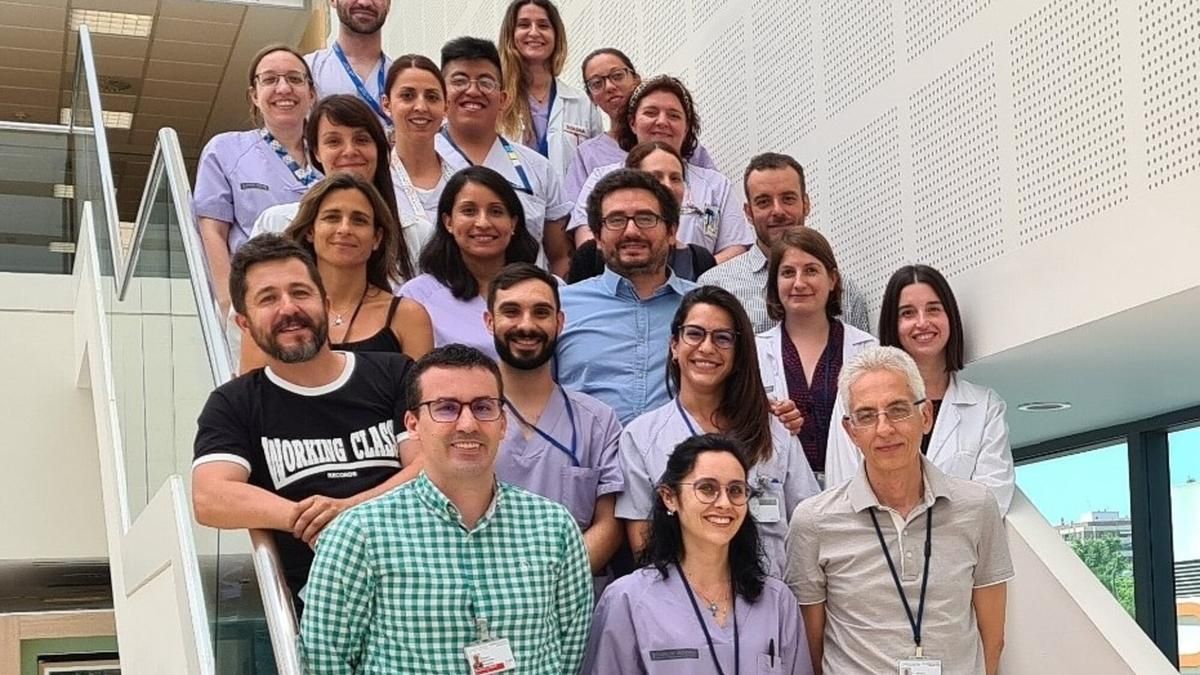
765, 667
704, 223
578, 494
767, 482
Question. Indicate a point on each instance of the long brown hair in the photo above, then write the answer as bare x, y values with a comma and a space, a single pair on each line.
381, 266
517, 117
744, 406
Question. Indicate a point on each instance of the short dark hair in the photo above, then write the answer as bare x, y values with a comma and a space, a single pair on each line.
772, 160
623, 179
517, 272
453, 356
412, 62
627, 139
643, 150
889, 311
442, 258
266, 248
611, 51
664, 546
815, 244
469, 48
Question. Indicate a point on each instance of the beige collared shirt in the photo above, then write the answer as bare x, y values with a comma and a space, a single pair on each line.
834, 557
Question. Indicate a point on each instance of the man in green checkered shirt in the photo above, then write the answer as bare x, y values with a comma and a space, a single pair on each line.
411, 581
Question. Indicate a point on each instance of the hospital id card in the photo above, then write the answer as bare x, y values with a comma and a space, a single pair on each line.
492, 656
766, 509
919, 667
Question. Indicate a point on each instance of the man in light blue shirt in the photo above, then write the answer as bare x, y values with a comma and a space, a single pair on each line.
615, 344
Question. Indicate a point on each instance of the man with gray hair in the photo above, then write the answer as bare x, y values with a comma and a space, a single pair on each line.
877, 595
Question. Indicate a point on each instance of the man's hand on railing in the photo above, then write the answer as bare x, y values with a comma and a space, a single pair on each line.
314, 513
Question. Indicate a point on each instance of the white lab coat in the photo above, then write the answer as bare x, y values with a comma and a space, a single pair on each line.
970, 441
573, 120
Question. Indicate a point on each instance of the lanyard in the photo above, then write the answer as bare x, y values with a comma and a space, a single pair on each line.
686, 420
916, 624
365, 95
400, 177
569, 452
737, 643
305, 174
543, 145
525, 186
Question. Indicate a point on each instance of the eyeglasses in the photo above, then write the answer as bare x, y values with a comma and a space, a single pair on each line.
722, 338
617, 77
896, 412
294, 78
708, 491
643, 220
459, 83
484, 409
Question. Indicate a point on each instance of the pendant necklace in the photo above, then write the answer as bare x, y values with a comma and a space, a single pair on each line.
337, 316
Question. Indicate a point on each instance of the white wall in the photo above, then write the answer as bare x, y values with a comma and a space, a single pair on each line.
50, 485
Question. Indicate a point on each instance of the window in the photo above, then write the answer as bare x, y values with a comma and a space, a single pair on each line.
1184, 449
1085, 495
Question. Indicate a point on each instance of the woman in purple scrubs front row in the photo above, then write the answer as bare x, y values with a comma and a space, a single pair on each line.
703, 603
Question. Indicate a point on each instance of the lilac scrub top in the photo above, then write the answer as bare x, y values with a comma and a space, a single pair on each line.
540, 114
453, 320
238, 178
646, 624
711, 216
602, 150
649, 440
529, 461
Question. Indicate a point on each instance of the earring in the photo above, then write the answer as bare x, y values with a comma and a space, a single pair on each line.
670, 512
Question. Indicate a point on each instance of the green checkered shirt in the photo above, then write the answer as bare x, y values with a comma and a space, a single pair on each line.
398, 581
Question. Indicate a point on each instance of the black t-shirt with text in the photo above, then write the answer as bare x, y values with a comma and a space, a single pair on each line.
336, 440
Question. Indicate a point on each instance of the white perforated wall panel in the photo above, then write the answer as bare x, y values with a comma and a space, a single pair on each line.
858, 35
784, 84
1169, 45
926, 22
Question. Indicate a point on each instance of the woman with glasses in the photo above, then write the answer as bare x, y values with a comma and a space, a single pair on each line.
711, 213
241, 173
545, 113
802, 356
703, 603
969, 438
610, 78
718, 390
664, 163
481, 229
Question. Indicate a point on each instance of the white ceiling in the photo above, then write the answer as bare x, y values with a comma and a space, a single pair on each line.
189, 74
1127, 366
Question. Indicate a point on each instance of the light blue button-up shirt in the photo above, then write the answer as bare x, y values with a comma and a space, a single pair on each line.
615, 345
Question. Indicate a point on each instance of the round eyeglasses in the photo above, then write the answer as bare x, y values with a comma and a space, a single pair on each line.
722, 338
483, 409
708, 491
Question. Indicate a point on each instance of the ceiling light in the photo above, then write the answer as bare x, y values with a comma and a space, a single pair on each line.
1044, 406
112, 119
113, 23
64, 191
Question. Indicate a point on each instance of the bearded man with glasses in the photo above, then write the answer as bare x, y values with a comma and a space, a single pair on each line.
453, 566
900, 567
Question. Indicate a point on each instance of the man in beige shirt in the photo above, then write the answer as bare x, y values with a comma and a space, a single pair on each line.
901, 569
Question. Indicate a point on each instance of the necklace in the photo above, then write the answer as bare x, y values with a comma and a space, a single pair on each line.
337, 316
713, 606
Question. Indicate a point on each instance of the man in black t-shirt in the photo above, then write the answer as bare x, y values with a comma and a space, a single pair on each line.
290, 446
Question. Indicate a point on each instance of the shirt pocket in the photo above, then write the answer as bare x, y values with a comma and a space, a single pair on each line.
962, 463
765, 667
579, 484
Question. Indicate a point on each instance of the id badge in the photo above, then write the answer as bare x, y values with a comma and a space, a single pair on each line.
916, 666
492, 656
765, 509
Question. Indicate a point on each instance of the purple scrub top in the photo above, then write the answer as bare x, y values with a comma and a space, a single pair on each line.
601, 150
453, 320
647, 443
529, 461
646, 624
239, 177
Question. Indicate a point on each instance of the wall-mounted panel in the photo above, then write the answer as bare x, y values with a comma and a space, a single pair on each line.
1169, 46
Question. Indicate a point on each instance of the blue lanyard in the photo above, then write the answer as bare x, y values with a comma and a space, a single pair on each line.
305, 174
513, 157
543, 145
569, 452
686, 420
365, 95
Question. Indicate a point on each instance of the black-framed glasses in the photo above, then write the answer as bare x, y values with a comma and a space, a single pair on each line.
644, 220
708, 491
617, 77
294, 78
487, 85
896, 412
484, 408
722, 338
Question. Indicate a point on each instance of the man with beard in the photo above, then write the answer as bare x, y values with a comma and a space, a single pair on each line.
614, 346
289, 446
355, 64
560, 444
776, 202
